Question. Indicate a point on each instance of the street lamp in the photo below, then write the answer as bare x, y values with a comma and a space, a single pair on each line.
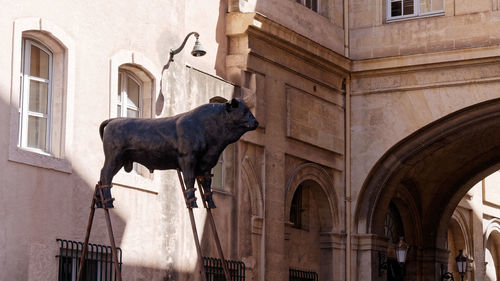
198, 51
401, 251
461, 263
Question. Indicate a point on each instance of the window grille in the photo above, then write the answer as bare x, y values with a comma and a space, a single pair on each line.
215, 272
299, 275
98, 261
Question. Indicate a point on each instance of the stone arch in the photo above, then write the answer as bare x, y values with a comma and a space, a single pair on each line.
250, 228
442, 145
250, 181
459, 238
442, 160
459, 218
492, 250
313, 172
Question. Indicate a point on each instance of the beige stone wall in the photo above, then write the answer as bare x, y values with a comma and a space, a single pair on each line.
390, 104
463, 25
325, 28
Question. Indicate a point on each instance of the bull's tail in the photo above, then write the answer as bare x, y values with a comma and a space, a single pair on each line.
101, 128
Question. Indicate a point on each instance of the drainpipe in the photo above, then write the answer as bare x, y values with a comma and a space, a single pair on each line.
346, 28
347, 148
348, 176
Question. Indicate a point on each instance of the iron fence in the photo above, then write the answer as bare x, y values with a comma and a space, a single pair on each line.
98, 264
215, 272
299, 275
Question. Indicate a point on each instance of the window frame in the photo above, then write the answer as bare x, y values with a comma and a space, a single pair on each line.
416, 11
24, 96
63, 49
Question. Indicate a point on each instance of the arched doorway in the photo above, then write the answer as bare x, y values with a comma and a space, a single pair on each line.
312, 230
438, 164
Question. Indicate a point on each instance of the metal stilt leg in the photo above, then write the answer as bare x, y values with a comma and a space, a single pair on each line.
193, 226
214, 231
99, 188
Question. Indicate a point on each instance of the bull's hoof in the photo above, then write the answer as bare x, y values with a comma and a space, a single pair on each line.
210, 202
193, 204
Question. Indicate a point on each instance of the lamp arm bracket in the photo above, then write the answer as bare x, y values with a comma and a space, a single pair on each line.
176, 51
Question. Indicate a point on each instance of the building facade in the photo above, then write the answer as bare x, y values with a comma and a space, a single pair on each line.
378, 119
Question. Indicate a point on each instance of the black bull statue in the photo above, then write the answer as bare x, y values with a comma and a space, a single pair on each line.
191, 141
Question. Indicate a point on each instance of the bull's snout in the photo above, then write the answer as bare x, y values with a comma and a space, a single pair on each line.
254, 124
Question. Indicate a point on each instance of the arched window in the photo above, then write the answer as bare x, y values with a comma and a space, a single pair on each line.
393, 224
43, 67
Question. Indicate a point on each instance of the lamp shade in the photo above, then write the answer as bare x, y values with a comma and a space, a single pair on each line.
198, 49
401, 250
461, 262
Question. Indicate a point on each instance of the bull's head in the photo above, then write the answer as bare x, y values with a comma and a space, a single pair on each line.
241, 114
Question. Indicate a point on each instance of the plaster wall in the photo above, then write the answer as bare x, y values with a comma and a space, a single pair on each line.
38, 205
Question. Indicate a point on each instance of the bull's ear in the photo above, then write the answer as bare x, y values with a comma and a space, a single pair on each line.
231, 105
234, 103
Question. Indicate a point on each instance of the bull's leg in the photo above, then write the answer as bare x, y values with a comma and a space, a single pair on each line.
187, 167
206, 183
111, 166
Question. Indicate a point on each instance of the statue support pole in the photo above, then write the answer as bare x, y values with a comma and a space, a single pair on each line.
193, 227
98, 188
214, 231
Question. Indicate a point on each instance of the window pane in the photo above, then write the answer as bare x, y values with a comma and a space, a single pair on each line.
37, 132
408, 7
119, 111
217, 171
425, 6
315, 5
396, 9
437, 5
39, 64
38, 99
132, 113
132, 93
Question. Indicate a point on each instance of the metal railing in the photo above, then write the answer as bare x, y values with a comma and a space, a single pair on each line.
98, 261
214, 271
299, 275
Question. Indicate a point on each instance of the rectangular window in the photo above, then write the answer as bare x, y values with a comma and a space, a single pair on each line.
311, 4
35, 100
218, 171
98, 262
401, 9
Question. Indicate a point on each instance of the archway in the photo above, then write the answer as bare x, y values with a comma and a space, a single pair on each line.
492, 250
438, 164
312, 236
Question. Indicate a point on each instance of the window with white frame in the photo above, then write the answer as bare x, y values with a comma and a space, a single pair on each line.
129, 102
311, 4
400, 9
36, 95
43, 67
